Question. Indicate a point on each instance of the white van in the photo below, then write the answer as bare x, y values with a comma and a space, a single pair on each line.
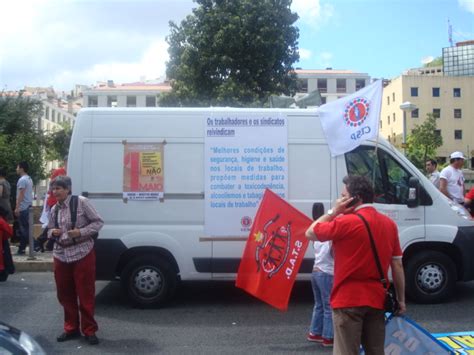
151, 245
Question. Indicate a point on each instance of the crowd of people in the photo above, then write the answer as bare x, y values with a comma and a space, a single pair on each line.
70, 224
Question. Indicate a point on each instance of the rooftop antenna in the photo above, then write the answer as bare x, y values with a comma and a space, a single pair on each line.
450, 34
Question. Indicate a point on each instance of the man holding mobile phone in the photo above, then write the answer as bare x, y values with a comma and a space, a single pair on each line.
358, 295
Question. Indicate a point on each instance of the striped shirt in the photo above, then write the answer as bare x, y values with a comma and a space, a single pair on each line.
88, 221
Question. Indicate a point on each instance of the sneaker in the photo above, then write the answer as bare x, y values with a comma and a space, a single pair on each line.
315, 338
328, 343
20, 252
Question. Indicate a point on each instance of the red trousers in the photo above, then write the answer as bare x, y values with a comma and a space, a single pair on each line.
75, 284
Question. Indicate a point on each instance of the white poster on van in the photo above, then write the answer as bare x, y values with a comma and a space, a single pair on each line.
245, 153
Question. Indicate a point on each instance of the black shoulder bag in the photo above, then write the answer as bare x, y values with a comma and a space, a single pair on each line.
391, 302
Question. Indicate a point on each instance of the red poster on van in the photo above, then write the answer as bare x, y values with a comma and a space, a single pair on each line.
143, 171
274, 251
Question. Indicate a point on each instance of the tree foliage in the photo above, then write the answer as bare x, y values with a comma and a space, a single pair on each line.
20, 138
423, 142
57, 143
232, 53
434, 63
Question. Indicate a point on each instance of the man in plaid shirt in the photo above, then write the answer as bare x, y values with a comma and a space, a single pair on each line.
74, 261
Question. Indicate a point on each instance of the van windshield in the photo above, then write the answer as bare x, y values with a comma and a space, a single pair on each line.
390, 178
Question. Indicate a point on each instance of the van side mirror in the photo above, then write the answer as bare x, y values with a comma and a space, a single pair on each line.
413, 192
318, 210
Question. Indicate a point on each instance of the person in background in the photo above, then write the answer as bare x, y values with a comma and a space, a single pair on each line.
469, 201
433, 173
358, 295
48, 203
321, 328
451, 181
50, 199
6, 231
5, 191
74, 261
24, 200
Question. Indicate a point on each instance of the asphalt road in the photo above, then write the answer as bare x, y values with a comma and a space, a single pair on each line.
204, 318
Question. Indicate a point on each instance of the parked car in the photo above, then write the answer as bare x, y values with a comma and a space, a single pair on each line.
17, 342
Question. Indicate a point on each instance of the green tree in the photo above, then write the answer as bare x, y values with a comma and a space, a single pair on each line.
435, 62
58, 143
20, 138
232, 53
423, 142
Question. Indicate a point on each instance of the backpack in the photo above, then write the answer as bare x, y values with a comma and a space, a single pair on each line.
73, 202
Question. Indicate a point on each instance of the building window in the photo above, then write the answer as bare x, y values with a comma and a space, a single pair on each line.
323, 85
112, 101
414, 91
388, 138
53, 115
380, 123
437, 113
302, 85
435, 92
92, 101
388, 119
360, 84
414, 113
393, 97
457, 113
393, 117
340, 85
437, 132
388, 100
151, 100
458, 134
457, 92
131, 101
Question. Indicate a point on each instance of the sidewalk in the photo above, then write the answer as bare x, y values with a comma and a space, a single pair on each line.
39, 262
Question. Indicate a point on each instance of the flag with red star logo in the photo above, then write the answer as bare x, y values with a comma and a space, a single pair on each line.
274, 251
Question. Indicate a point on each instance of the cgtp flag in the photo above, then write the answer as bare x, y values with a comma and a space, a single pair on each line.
349, 121
274, 251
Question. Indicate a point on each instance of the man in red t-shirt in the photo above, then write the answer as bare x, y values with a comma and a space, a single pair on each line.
358, 295
469, 201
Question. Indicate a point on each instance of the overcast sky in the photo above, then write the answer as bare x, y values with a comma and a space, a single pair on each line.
60, 43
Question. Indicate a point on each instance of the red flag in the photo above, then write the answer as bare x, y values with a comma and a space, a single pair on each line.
274, 251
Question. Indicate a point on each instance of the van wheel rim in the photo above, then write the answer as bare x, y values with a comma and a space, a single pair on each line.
430, 277
148, 282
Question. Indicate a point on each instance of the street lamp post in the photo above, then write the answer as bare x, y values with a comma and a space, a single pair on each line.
407, 106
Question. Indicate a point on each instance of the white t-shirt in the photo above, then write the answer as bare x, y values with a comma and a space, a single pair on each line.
434, 178
323, 257
455, 179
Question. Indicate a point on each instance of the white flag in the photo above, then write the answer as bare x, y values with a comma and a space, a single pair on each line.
349, 121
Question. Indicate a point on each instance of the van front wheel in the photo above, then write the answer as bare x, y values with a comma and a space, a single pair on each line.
430, 277
148, 281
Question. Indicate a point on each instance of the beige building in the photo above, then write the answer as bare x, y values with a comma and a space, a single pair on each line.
332, 84
449, 98
140, 94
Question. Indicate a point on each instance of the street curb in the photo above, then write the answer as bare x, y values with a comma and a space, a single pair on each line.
33, 265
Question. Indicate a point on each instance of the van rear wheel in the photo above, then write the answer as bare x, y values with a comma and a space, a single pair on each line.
149, 281
430, 277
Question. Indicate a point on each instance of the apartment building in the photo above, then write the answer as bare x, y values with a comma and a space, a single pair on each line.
109, 94
448, 98
332, 84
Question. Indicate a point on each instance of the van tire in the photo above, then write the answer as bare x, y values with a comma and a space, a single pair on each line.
430, 277
149, 281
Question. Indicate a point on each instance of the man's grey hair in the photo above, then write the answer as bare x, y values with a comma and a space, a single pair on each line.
62, 181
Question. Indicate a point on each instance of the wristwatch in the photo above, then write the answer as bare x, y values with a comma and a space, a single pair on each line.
330, 212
